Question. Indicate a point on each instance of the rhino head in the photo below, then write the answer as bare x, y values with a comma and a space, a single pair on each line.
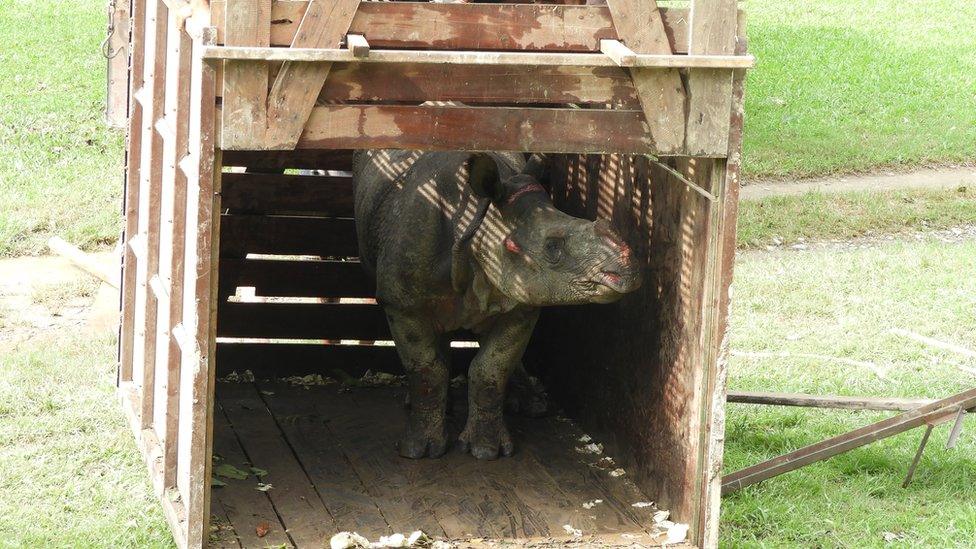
532, 252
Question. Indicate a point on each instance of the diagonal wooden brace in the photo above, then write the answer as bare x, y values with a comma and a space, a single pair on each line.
661, 93
298, 85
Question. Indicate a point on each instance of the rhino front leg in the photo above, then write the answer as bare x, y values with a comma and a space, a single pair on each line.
485, 434
425, 361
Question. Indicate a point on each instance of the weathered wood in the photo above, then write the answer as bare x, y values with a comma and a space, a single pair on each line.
244, 506
171, 244
276, 162
276, 360
662, 95
296, 278
477, 128
323, 56
302, 320
712, 31
200, 285
288, 235
117, 89
939, 410
245, 83
827, 401
297, 85
358, 45
470, 84
279, 193
469, 26
294, 497
619, 53
151, 173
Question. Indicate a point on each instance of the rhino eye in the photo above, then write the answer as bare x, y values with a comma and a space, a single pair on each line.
553, 249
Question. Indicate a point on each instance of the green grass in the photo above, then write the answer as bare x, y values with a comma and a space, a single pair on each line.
60, 167
819, 216
843, 304
844, 85
72, 476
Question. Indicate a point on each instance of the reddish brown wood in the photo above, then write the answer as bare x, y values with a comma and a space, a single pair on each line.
296, 278
278, 193
476, 128
480, 84
288, 235
473, 26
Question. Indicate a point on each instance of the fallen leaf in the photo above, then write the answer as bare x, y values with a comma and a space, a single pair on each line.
260, 473
227, 470
262, 529
262, 487
216, 482
642, 504
572, 531
618, 472
348, 540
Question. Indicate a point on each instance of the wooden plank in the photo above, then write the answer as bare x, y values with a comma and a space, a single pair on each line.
471, 26
477, 128
244, 506
271, 360
288, 235
640, 26
940, 409
133, 179
302, 320
293, 495
478, 57
295, 278
245, 83
200, 284
278, 193
151, 174
278, 161
297, 86
712, 31
171, 244
358, 45
619, 53
324, 459
827, 401
480, 84
117, 89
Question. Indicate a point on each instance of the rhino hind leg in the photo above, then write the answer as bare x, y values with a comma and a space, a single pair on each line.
526, 396
425, 360
485, 434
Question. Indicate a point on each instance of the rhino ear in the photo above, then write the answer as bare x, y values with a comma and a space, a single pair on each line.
537, 166
483, 177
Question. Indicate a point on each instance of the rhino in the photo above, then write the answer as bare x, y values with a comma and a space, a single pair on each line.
471, 241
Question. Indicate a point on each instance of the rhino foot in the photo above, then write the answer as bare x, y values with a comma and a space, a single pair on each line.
416, 445
486, 439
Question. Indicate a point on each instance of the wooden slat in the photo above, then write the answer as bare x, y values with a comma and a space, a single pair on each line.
171, 244
296, 87
480, 84
477, 128
244, 506
469, 26
323, 457
116, 97
713, 30
639, 24
287, 235
245, 83
278, 161
279, 193
302, 320
151, 174
269, 360
296, 278
196, 367
294, 498
133, 179
827, 401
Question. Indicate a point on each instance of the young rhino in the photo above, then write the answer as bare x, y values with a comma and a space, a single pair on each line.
472, 241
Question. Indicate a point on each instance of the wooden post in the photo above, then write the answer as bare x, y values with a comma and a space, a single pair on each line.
245, 108
117, 81
712, 31
199, 303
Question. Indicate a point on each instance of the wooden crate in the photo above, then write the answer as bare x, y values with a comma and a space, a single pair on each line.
234, 261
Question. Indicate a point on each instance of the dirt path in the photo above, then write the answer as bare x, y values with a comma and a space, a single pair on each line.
925, 178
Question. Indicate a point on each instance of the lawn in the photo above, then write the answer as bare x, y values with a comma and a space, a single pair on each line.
73, 476
840, 86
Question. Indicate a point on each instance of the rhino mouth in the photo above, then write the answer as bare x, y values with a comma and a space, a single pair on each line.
609, 286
